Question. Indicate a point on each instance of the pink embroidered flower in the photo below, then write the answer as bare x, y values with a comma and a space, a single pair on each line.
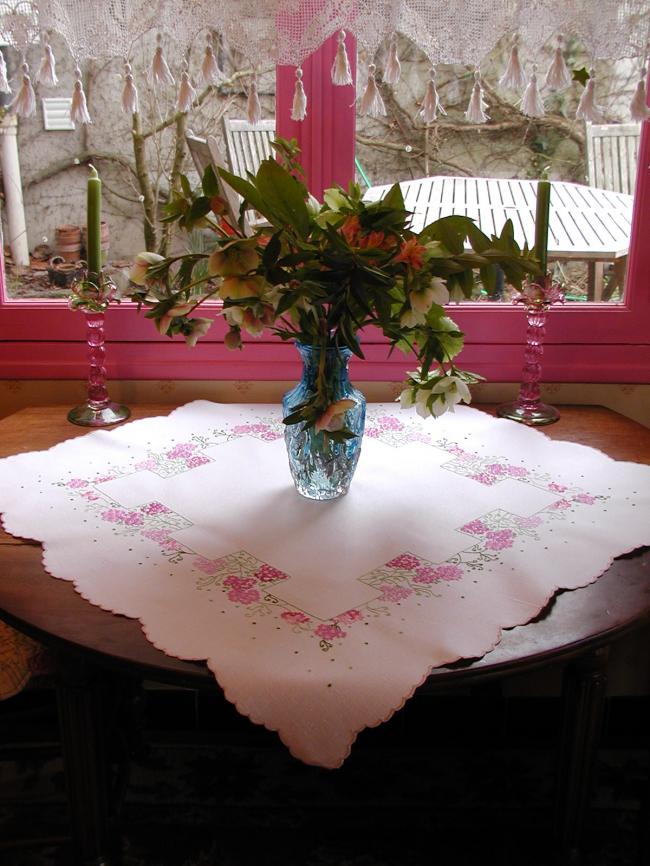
475, 527
244, 596
155, 508
329, 632
561, 504
266, 574
132, 518
350, 616
418, 437
146, 464
517, 471
113, 515
529, 522
181, 451
499, 539
158, 535
75, 483
90, 495
242, 429
197, 460
102, 478
430, 574
271, 436
406, 561
372, 432
168, 545
390, 422
295, 617
208, 566
584, 498
556, 488
497, 468
390, 592
457, 451
484, 478
235, 582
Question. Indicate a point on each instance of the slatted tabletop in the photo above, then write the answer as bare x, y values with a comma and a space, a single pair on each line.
585, 223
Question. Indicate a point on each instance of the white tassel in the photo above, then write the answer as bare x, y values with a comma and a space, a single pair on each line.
186, 93
372, 105
587, 108
476, 109
210, 72
514, 77
639, 106
532, 104
160, 73
299, 108
558, 76
393, 66
47, 70
431, 105
129, 92
253, 106
4, 83
24, 102
341, 72
79, 108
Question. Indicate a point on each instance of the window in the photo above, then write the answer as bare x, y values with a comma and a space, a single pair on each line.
585, 343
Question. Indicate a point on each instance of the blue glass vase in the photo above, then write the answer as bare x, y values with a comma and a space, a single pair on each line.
322, 468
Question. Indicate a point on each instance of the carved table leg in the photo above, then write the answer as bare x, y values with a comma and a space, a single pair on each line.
585, 683
80, 698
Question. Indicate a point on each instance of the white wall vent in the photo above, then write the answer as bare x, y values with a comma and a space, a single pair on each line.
56, 114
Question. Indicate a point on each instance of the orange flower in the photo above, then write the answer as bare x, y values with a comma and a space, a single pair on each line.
412, 253
372, 241
351, 229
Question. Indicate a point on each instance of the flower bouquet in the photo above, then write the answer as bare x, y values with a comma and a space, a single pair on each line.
318, 274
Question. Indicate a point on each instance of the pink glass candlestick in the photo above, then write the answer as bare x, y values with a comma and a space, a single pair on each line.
98, 411
528, 407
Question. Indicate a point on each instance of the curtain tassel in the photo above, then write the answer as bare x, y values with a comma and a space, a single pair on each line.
210, 72
587, 109
79, 108
639, 106
558, 76
253, 105
341, 72
129, 92
514, 77
476, 109
186, 93
372, 105
393, 66
532, 104
47, 70
160, 73
431, 105
24, 103
299, 108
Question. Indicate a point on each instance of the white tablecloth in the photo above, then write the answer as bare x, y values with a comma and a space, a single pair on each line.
321, 618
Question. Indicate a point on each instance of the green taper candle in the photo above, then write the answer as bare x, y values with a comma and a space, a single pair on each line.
541, 222
93, 227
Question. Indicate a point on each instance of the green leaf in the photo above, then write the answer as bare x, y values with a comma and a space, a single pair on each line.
271, 251
284, 195
185, 186
199, 208
210, 182
247, 191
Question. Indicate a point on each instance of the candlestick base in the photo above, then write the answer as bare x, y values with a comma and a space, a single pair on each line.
534, 416
88, 415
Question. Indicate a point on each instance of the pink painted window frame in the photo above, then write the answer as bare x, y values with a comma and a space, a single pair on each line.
585, 343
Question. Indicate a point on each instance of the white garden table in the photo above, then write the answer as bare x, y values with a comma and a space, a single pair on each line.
586, 224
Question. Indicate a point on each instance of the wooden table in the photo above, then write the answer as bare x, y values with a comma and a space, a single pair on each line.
576, 628
585, 223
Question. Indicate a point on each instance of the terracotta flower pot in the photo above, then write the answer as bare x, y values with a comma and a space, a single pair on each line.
67, 242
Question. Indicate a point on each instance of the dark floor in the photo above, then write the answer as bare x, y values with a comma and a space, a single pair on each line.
451, 780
